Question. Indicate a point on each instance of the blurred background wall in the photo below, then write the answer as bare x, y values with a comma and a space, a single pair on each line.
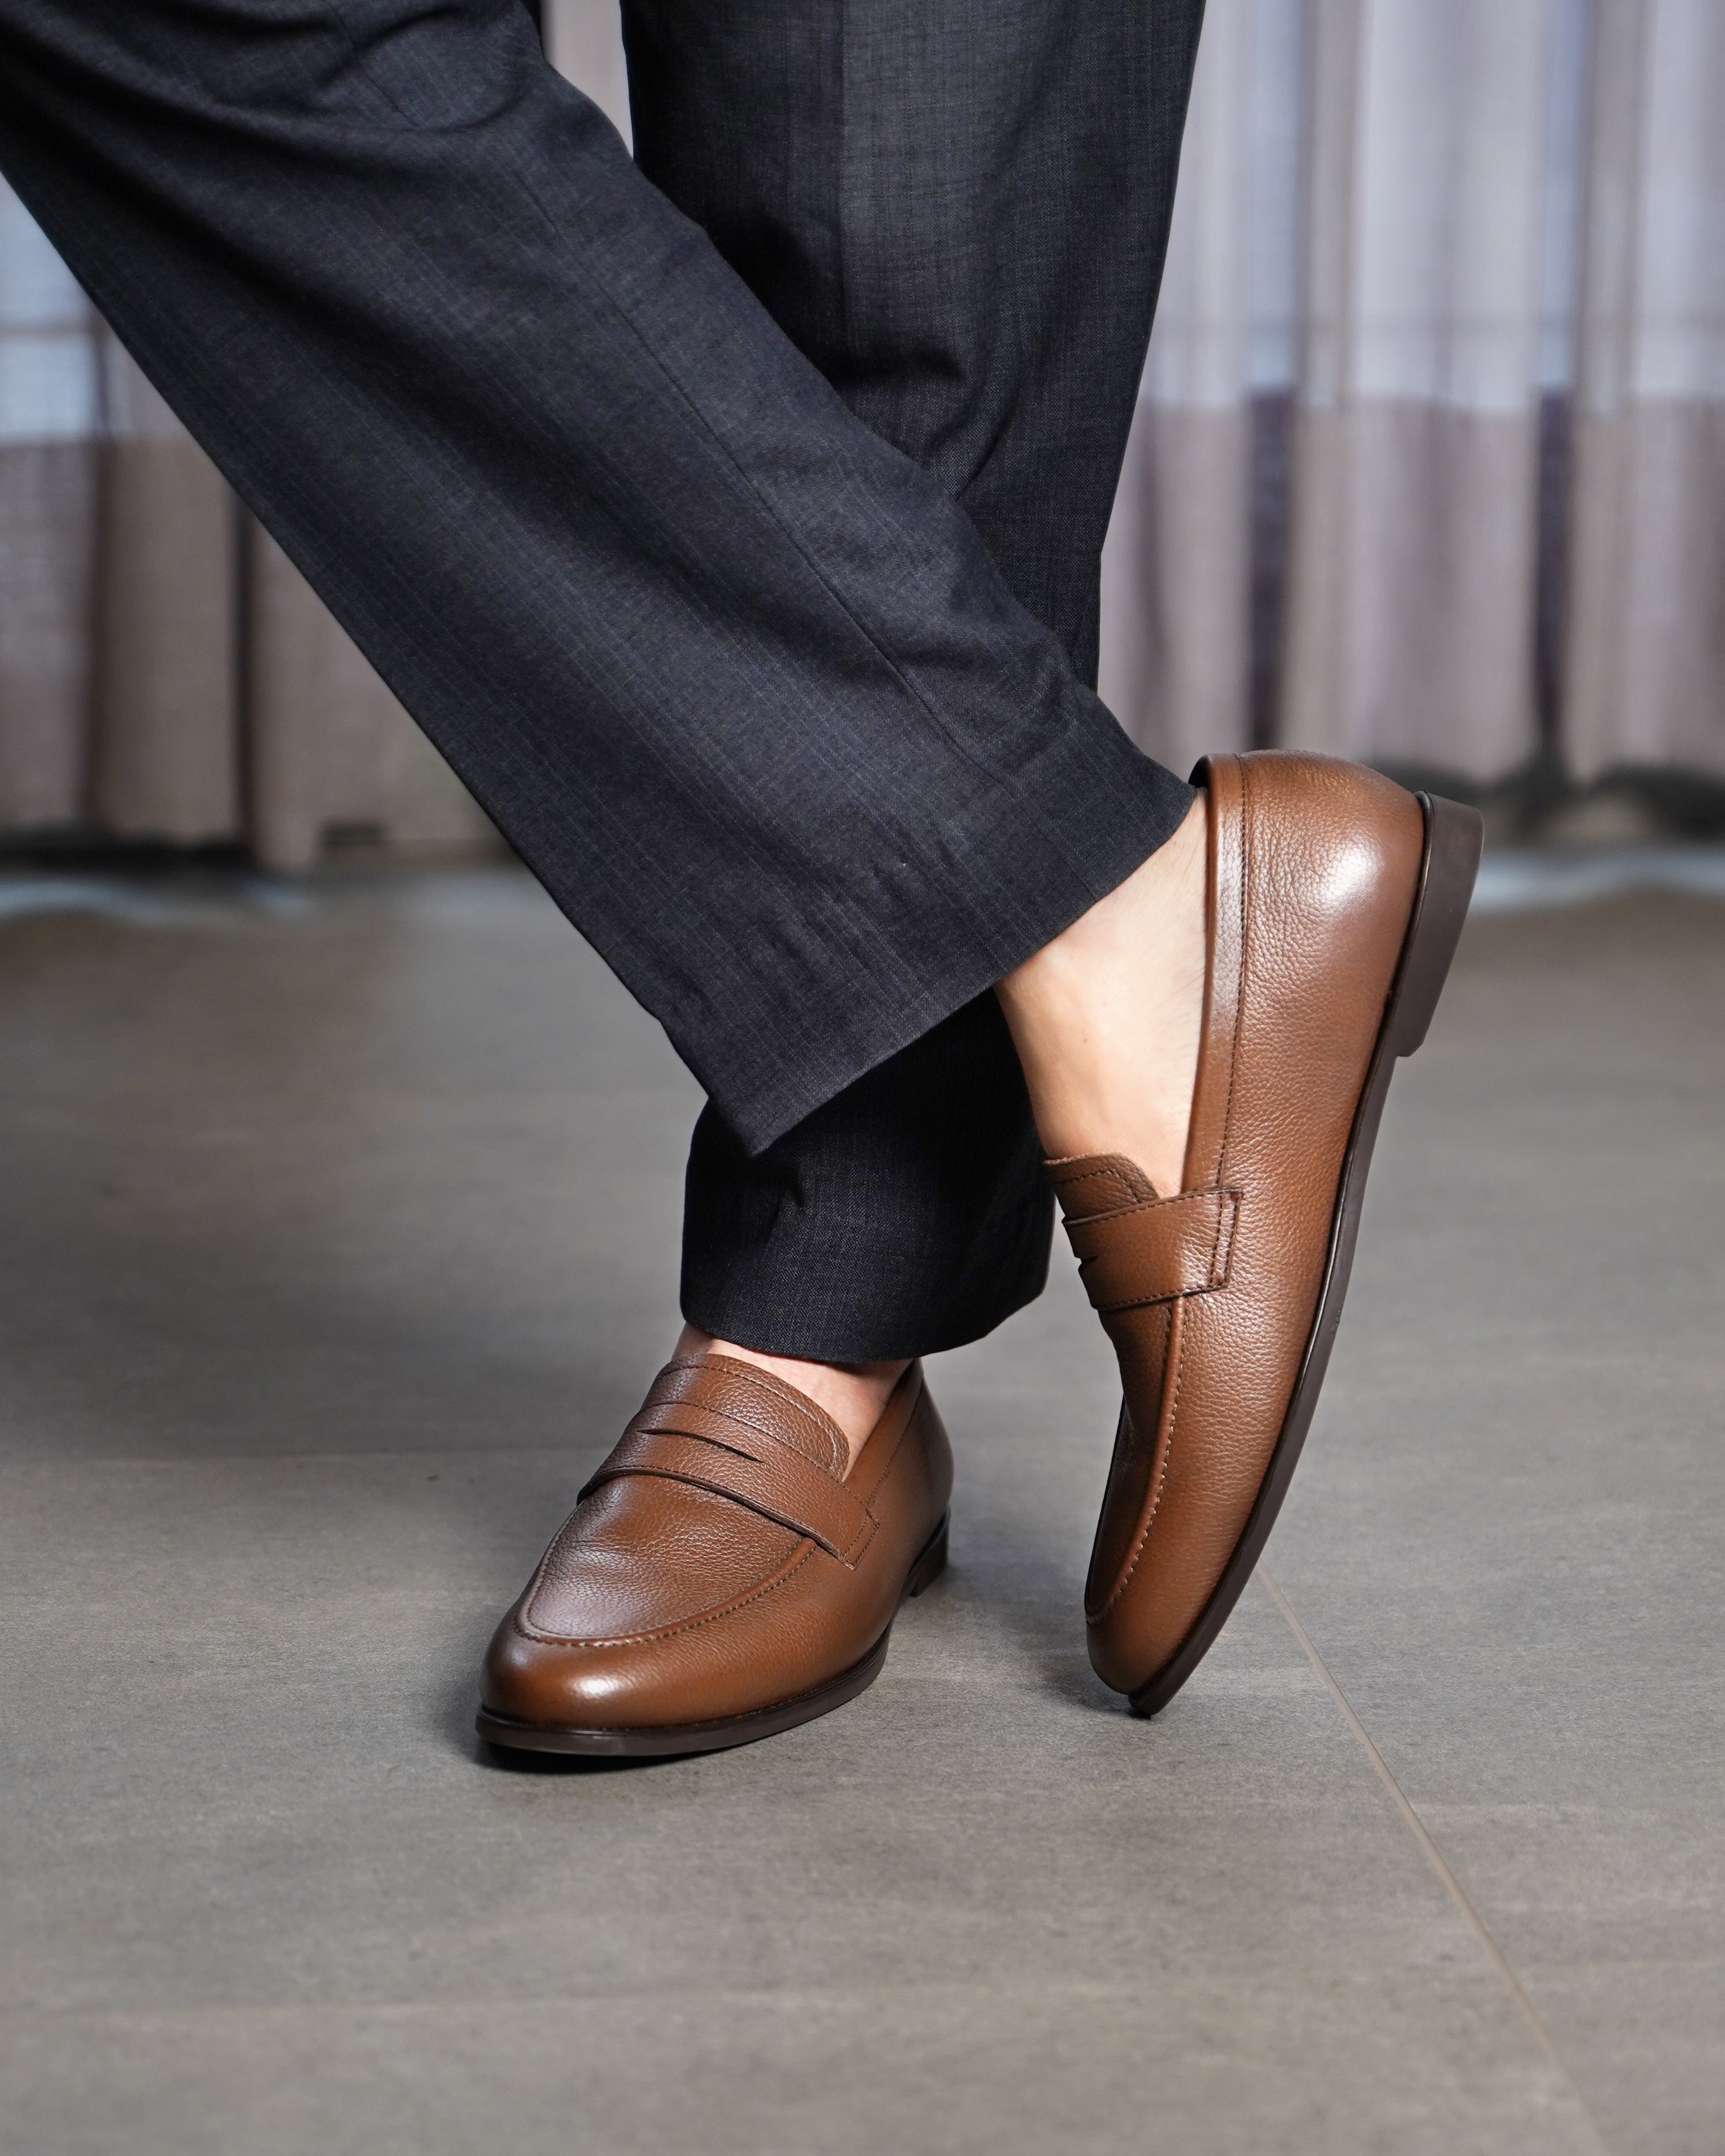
1428, 468
1429, 465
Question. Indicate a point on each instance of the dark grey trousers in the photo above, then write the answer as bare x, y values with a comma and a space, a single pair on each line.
730, 521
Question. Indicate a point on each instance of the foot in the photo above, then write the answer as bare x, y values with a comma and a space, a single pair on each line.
1215, 1224
722, 1576
1106, 1017
852, 1393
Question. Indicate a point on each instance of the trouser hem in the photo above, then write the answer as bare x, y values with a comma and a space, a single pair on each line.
1112, 807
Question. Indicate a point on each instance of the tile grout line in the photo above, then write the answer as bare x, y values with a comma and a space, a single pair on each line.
1430, 1851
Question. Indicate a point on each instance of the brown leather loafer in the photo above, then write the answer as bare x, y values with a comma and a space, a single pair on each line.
722, 1577
1335, 903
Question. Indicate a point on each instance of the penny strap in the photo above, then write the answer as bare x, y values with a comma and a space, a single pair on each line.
688, 1442
1157, 1250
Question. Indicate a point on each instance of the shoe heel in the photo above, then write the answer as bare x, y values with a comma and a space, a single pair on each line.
1454, 836
931, 1562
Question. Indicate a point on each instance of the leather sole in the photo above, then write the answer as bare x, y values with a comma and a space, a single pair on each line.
1451, 861
671, 1739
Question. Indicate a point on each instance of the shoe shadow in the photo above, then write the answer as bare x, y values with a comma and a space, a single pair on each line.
1011, 1572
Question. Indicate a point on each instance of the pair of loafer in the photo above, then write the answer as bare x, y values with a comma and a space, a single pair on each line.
726, 1575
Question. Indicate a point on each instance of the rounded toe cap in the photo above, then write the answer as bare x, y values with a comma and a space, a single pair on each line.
554, 1684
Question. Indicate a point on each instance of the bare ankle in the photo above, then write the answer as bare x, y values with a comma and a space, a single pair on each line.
1106, 1017
852, 1393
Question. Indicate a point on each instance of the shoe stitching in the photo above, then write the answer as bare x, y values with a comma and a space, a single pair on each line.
1173, 1418
1095, 1175
1105, 1174
811, 1417
844, 1482
1245, 901
1223, 1213
1179, 1369
793, 1566
1221, 1248
847, 1556
816, 1418
1179, 1374
662, 1422
853, 1550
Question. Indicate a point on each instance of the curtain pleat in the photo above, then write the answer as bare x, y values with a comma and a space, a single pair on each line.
1403, 231
1500, 238
165, 736
48, 521
1413, 564
1176, 649
1644, 672
1412, 577
166, 673
1176, 643
326, 742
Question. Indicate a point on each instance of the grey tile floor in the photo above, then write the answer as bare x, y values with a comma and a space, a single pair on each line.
338, 1238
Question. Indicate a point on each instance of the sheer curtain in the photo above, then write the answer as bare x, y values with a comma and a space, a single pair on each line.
1428, 467
48, 405
1645, 651
165, 673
